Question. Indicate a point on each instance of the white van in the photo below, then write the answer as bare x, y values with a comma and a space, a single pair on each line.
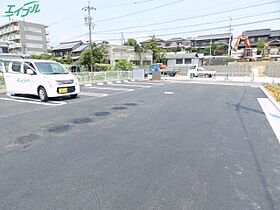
44, 78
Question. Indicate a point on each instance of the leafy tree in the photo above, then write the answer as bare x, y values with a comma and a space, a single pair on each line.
131, 42
123, 65
158, 53
260, 46
97, 54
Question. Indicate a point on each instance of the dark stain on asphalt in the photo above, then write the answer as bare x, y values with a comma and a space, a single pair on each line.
119, 108
102, 114
131, 104
83, 120
24, 140
59, 128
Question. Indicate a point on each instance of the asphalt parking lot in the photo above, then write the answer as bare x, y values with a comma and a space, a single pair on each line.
140, 145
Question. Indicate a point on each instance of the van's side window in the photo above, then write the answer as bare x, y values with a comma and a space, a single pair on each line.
16, 67
28, 65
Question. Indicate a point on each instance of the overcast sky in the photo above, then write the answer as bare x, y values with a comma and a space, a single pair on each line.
66, 18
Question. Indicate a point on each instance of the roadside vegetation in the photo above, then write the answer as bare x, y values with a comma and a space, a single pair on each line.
274, 89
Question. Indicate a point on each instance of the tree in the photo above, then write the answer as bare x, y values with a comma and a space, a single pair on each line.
260, 46
131, 42
97, 54
158, 53
123, 65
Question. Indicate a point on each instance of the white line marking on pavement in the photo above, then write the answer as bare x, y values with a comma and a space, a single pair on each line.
118, 82
88, 85
125, 81
141, 86
109, 83
169, 93
145, 83
93, 94
272, 114
32, 101
100, 83
107, 88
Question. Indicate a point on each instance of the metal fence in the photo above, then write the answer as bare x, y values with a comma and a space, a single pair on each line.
272, 70
2, 82
89, 77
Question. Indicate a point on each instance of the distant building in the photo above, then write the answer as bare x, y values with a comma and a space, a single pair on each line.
202, 42
65, 49
182, 59
122, 52
160, 42
76, 53
4, 47
24, 37
175, 43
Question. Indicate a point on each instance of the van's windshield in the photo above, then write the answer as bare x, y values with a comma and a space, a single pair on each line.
50, 68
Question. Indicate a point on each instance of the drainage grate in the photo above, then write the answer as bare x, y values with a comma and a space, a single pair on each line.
119, 108
101, 114
131, 104
83, 120
59, 128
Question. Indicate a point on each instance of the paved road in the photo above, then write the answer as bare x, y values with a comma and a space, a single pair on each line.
202, 147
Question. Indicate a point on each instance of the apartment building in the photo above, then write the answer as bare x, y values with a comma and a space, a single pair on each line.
25, 37
4, 47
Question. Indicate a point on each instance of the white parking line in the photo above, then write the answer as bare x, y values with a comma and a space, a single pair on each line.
126, 85
93, 94
107, 88
145, 83
33, 101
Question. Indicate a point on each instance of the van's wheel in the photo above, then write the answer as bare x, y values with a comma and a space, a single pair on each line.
43, 94
74, 96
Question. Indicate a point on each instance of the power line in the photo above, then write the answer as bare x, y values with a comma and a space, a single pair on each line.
194, 25
123, 4
194, 17
140, 12
199, 30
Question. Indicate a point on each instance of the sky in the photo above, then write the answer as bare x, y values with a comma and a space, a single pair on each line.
141, 19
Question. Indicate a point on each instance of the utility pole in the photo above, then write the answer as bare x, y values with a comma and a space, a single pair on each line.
210, 57
89, 21
229, 42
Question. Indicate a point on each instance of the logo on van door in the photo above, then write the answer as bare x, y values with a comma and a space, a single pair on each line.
23, 81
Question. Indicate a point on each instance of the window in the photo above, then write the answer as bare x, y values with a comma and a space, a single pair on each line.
16, 67
179, 61
50, 68
136, 62
188, 61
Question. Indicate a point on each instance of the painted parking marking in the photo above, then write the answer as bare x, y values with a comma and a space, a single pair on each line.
33, 101
272, 114
108, 88
168, 93
92, 94
126, 85
146, 83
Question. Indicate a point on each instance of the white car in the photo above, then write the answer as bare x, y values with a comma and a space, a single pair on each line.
44, 78
200, 71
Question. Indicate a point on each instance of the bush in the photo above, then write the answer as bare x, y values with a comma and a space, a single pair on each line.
275, 90
123, 65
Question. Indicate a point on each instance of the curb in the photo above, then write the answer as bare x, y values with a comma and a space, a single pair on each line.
270, 97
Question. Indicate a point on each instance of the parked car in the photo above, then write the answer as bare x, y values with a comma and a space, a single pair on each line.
39, 77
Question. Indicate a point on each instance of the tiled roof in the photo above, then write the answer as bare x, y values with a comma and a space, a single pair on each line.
275, 33
178, 39
180, 55
81, 48
68, 45
213, 36
259, 32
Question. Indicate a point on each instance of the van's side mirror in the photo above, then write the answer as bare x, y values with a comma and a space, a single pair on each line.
30, 71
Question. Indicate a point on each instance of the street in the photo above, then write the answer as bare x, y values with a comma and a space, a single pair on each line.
140, 145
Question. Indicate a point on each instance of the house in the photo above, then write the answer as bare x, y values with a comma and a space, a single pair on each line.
175, 43
25, 37
76, 53
122, 52
160, 42
182, 59
65, 49
200, 43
